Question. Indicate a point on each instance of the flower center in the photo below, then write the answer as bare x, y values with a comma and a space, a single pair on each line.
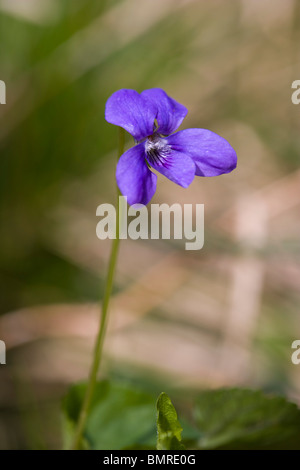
157, 150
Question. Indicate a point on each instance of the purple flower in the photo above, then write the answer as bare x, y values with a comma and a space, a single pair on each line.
151, 117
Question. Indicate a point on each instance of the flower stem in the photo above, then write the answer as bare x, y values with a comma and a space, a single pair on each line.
97, 356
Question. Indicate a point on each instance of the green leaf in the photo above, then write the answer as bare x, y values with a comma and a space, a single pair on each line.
168, 427
120, 416
246, 419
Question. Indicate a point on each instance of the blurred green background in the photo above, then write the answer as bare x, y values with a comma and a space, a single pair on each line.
226, 315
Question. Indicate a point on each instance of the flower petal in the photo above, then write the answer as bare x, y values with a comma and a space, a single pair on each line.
134, 178
176, 166
212, 154
170, 114
132, 111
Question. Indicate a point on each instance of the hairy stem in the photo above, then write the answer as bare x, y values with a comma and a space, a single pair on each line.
97, 356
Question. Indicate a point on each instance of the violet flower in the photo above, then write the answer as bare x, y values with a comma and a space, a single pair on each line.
151, 118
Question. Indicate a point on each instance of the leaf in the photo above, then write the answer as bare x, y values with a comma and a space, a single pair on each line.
168, 427
68, 429
120, 416
246, 419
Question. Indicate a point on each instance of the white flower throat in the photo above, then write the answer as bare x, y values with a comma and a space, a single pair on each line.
157, 150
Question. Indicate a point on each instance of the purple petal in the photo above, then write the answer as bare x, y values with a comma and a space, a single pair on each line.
176, 166
170, 114
212, 154
132, 111
134, 178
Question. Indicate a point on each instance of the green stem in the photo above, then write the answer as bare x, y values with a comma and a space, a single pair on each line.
103, 323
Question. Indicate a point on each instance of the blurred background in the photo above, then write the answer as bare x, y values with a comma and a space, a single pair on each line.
222, 316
